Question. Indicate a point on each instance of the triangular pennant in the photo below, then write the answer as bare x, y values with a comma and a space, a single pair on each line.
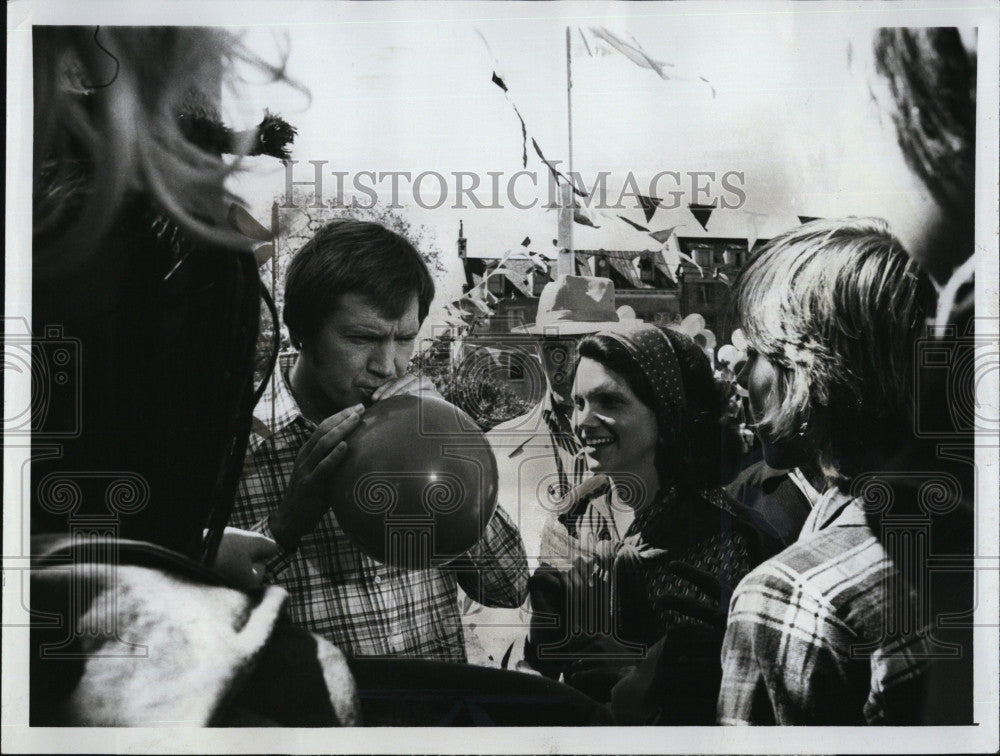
702, 213
499, 82
670, 256
582, 214
524, 136
477, 300
688, 259
669, 263
539, 263
649, 205
807, 218
519, 282
526, 242
633, 224
556, 174
664, 236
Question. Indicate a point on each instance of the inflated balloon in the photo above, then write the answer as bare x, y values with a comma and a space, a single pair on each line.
418, 484
729, 355
708, 337
692, 324
626, 312
738, 340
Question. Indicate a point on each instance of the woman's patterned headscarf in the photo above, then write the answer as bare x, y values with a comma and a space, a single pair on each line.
653, 352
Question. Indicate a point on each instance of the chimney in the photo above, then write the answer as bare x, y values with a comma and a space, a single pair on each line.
461, 242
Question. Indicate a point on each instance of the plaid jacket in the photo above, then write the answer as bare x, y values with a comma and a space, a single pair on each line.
336, 590
808, 640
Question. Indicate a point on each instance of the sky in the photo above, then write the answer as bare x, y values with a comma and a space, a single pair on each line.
793, 114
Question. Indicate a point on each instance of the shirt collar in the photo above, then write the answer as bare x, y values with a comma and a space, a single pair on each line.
811, 493
553, 411
276, 410
834, 508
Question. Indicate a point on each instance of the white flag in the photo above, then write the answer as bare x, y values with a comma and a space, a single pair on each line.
599, 40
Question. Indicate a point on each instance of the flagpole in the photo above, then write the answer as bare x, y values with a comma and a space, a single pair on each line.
275, 327
567, 257
569, 101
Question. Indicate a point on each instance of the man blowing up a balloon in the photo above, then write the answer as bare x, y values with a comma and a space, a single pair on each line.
380, 495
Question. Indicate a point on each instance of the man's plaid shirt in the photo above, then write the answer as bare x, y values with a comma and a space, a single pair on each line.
365, 607
808, 641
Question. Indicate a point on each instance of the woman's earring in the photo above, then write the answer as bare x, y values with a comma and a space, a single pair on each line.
803, 429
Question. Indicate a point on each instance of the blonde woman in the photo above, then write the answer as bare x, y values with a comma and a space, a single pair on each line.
832, 311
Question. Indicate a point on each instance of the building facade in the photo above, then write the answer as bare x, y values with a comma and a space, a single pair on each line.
643, 281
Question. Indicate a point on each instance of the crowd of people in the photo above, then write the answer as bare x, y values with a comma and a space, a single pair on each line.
633, 575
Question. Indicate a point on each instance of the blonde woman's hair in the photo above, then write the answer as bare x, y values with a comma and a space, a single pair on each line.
837, 305
107, 102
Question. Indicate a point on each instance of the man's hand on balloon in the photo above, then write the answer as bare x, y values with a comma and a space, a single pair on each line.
241, 557
418, 385
306, 496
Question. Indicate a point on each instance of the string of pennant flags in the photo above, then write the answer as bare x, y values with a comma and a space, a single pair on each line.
599, 41
595, 41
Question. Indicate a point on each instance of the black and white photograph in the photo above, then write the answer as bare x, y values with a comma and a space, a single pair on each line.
619, 377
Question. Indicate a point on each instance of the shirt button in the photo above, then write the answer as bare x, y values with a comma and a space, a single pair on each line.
378, 580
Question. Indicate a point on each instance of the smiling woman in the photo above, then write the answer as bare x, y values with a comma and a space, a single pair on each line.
651, 548
617, 429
